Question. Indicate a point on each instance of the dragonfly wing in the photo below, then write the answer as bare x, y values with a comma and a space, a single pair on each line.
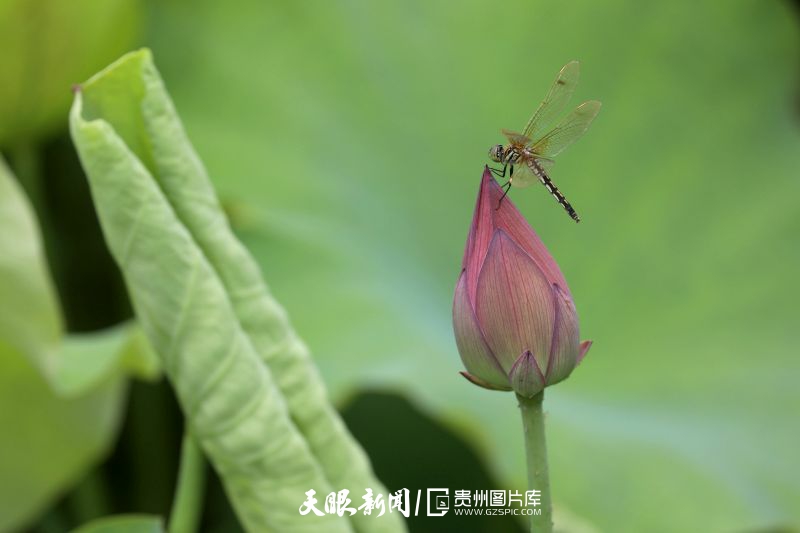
523, 175
545, 163
516, 138
555, 100
568, 131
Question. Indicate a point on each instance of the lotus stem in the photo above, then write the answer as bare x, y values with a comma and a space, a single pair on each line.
536, 459
187, 505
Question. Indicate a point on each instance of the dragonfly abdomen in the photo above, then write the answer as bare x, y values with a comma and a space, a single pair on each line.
540, 173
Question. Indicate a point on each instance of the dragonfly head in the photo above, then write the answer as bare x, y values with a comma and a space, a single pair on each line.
496, 153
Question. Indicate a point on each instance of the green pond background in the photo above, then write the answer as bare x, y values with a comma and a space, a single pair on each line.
347, 141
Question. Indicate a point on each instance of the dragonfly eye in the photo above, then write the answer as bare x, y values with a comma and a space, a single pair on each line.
496, 153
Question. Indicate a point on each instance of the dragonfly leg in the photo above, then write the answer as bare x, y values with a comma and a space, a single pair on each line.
506, 188
499, 173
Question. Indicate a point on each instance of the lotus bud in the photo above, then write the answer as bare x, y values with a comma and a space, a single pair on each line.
514, 320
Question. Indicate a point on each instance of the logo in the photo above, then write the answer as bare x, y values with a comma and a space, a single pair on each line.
438, 502
466, 502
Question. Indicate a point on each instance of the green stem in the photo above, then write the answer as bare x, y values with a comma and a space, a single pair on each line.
186, 506
536, 458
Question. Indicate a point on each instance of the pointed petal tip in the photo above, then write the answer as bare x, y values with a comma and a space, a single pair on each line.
526, 377
487, 182
563, 292
486, 177
481, 383
583, 350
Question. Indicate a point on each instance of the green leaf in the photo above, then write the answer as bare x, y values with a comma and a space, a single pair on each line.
225, 343
30, 319
32, 323
88, 359
123, 524
60, 397
350, 141
48, 441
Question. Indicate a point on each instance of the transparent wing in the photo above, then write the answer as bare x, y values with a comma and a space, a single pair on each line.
523, 176
568, 131
555, 100
516, 138
545, 163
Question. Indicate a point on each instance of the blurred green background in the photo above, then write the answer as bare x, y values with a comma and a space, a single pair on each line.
346, 140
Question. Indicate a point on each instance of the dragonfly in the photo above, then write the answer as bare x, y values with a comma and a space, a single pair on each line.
528, 156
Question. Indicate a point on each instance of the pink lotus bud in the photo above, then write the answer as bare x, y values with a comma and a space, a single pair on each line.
515, 323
